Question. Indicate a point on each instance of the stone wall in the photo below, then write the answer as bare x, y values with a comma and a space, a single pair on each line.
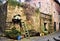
3, 16
47, 20
12, 11
55, 14
31, 18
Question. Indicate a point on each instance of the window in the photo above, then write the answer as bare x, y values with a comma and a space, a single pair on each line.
59, 16
59, 26
45, 24
54, 26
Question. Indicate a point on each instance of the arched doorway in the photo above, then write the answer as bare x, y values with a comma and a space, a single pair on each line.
54, 26
59, 26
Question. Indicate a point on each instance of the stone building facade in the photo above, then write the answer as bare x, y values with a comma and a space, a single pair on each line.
51, 8
47, 8
30, 18
39, 20
55, 14
57, 7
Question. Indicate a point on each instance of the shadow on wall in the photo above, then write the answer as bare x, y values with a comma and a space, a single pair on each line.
3, 16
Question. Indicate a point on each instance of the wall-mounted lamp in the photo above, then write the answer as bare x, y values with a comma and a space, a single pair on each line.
17, 19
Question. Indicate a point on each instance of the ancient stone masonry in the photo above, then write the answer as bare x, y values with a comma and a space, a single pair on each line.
28, 15
32, 18
3, 16
46, 22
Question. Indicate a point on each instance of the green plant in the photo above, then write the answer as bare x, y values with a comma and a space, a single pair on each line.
14, 3
37, 10
32, 33
43, 30
13, 33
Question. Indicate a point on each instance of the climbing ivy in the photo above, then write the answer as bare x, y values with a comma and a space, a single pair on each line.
14, 3
37, 10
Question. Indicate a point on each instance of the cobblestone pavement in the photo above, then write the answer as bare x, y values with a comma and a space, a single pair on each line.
44, 38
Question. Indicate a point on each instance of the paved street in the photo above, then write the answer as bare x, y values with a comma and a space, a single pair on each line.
44, 38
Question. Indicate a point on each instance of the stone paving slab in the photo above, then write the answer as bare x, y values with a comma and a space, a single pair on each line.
44, 38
